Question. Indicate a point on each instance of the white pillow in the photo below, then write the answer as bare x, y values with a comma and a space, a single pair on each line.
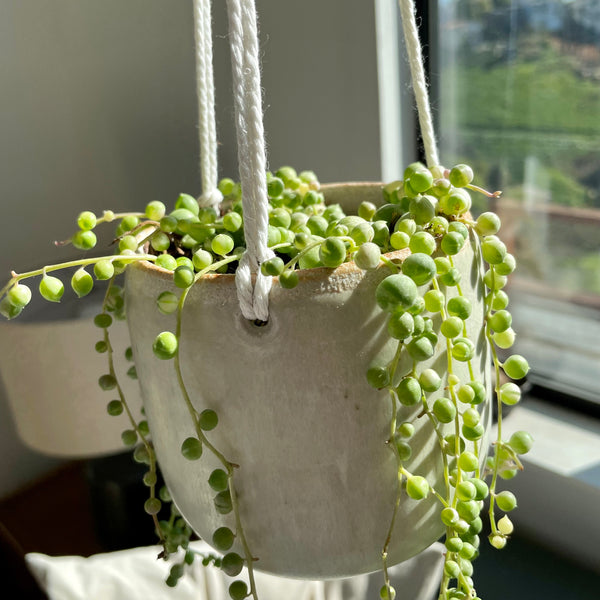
137, 575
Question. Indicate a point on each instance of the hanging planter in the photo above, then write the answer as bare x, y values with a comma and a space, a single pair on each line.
317, 485
55, 411
317, 385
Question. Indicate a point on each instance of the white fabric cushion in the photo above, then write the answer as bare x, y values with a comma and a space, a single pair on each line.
137, 575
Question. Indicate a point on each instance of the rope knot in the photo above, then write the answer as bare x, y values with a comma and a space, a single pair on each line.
211, 199
253, 299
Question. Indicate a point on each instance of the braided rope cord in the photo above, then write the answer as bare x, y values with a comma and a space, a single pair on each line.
205, 89
253, 296
417, 72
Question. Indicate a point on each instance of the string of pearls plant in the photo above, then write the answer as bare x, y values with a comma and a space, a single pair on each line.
428, 213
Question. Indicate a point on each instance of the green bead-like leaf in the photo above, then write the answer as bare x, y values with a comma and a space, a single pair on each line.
191, 448
51, 288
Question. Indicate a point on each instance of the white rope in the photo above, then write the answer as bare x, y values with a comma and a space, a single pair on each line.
415, 59
254, 300
205, 88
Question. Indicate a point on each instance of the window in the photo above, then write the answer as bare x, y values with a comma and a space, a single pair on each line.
516, 89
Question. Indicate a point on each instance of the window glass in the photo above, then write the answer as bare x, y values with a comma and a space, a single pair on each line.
518, 98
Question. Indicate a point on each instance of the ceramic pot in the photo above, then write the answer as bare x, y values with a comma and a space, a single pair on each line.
45, 367
316, 481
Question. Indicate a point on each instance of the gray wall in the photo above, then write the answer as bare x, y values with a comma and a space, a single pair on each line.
98, 110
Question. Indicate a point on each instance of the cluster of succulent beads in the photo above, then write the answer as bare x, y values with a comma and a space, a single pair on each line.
425, 215
424, 299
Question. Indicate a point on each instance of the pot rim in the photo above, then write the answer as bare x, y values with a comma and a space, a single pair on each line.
307, 275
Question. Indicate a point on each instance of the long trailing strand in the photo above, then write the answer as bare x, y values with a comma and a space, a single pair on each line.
253, 298
205, 88
415, 59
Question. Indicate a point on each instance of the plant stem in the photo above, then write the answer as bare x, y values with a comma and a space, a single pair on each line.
240, 532
389, 264
388, 539
135, 426
229, 466
476, 188
440, 438
293, 261
498, 437
143, 225
16, 277
498, 444
113, 216
193, 412
444, 587
465, 333
394, 402
408, 474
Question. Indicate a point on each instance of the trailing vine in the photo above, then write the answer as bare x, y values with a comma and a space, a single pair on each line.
427, 216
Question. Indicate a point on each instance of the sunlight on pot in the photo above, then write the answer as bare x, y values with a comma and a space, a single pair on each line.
316, 478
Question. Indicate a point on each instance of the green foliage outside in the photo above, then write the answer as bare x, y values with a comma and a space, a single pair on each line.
525, 112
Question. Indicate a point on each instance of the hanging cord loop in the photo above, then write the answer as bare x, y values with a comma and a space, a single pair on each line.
253, 296
205, 88
415, 59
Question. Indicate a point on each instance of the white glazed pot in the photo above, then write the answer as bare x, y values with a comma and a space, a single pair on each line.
316, 480
45, 367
